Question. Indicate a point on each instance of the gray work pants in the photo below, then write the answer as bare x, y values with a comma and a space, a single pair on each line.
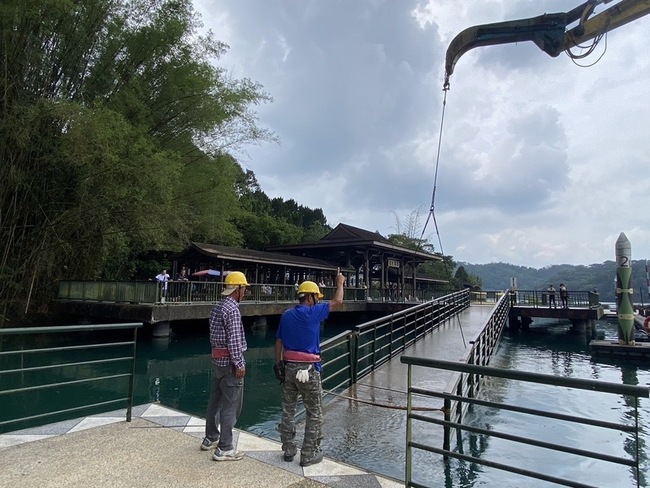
224, 407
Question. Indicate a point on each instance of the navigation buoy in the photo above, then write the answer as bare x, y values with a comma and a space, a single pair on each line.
646, 324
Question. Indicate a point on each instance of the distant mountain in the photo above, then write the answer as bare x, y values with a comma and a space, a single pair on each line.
496, 276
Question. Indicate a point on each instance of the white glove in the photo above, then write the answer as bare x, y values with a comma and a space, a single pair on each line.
303, 375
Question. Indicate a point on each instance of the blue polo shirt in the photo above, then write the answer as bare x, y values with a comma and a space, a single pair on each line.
299, 328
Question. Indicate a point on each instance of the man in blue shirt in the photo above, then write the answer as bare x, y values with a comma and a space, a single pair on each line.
297, 345
226, 393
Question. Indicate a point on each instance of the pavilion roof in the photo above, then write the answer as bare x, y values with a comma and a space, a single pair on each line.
227, 253
344, 235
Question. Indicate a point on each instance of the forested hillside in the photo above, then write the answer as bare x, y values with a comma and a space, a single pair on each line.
119, 136
496, 276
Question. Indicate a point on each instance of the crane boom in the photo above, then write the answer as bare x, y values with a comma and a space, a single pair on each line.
549, 31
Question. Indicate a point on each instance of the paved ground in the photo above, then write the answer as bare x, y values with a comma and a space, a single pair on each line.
160, 448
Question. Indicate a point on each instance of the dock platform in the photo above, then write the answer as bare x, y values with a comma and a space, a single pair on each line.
639, 350
159, 447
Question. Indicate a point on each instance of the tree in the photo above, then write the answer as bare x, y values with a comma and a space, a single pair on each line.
116, 135
463, 279
407, 233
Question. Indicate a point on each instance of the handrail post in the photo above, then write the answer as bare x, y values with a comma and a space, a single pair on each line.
354, 354
129, 407
408, 464
446, 410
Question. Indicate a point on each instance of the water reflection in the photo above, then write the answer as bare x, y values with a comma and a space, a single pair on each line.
176, 371
564, 354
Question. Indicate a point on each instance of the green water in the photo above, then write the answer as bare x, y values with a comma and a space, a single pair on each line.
176, 371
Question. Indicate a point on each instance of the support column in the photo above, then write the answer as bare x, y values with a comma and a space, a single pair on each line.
578, 326
260, 322
161, 329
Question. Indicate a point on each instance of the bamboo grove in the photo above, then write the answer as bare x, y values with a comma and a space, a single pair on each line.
118, 132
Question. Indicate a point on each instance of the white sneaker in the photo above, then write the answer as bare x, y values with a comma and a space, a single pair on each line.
232, 455
207, 444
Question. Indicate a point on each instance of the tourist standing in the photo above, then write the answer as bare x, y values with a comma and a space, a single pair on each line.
551, 296
229, 367
513, 297
297, 350
564, 296
163, 278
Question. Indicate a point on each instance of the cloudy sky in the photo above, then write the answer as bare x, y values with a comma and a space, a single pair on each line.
542, 162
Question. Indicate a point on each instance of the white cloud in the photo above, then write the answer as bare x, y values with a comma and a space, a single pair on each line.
542, 162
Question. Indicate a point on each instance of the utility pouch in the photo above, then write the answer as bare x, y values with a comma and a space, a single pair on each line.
279, 370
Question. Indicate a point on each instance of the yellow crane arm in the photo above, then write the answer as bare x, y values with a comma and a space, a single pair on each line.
548, 31
620, 14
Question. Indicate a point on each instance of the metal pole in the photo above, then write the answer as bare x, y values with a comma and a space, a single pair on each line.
129, 407
407, 481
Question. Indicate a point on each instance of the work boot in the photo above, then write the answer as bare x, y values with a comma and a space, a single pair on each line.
289, 454
315, 458
289, 448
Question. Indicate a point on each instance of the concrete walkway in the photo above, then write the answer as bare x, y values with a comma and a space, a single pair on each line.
159, 447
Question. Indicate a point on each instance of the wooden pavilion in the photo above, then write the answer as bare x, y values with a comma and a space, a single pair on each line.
377, 263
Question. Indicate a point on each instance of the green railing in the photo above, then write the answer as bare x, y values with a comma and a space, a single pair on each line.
94, 364
355, 353
536, 298
183, 292
631, 427
482, 350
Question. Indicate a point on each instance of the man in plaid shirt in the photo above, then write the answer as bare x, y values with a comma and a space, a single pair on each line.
226, 393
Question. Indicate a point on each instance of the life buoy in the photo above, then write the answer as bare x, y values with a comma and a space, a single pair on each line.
646, 324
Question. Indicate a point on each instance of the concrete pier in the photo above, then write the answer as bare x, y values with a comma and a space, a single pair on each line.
161, 329
160, 447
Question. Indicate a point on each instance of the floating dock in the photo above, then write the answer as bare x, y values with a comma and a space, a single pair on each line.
613, 348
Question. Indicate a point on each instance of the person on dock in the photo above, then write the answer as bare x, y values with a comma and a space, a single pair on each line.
297, 351
228, 343
564, 296
551, 296
163, 278
513, 297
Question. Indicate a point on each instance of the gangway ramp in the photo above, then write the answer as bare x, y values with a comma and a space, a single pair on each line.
365, 425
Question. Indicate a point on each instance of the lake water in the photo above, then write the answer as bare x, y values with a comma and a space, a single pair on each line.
176, 371
556, 350
373, 437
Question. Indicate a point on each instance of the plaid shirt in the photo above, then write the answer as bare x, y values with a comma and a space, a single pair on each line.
227, 332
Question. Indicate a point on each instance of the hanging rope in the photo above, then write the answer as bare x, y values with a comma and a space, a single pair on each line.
383, 405
432, 209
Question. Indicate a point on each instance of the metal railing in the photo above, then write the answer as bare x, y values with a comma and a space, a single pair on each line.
488, 296
536, 298
184, 292
353, 354
87, 361
482, 350
631, 427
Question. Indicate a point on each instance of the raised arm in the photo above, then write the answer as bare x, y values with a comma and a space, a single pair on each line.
338, 294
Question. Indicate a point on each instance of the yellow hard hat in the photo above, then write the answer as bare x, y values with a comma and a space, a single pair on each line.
309, 287
236, 278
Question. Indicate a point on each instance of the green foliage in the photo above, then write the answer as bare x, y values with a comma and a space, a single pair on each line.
408, 230
115, 136
267, 222
206, 202
316, 231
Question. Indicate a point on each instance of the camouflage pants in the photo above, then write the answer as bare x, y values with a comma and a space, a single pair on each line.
312, 394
